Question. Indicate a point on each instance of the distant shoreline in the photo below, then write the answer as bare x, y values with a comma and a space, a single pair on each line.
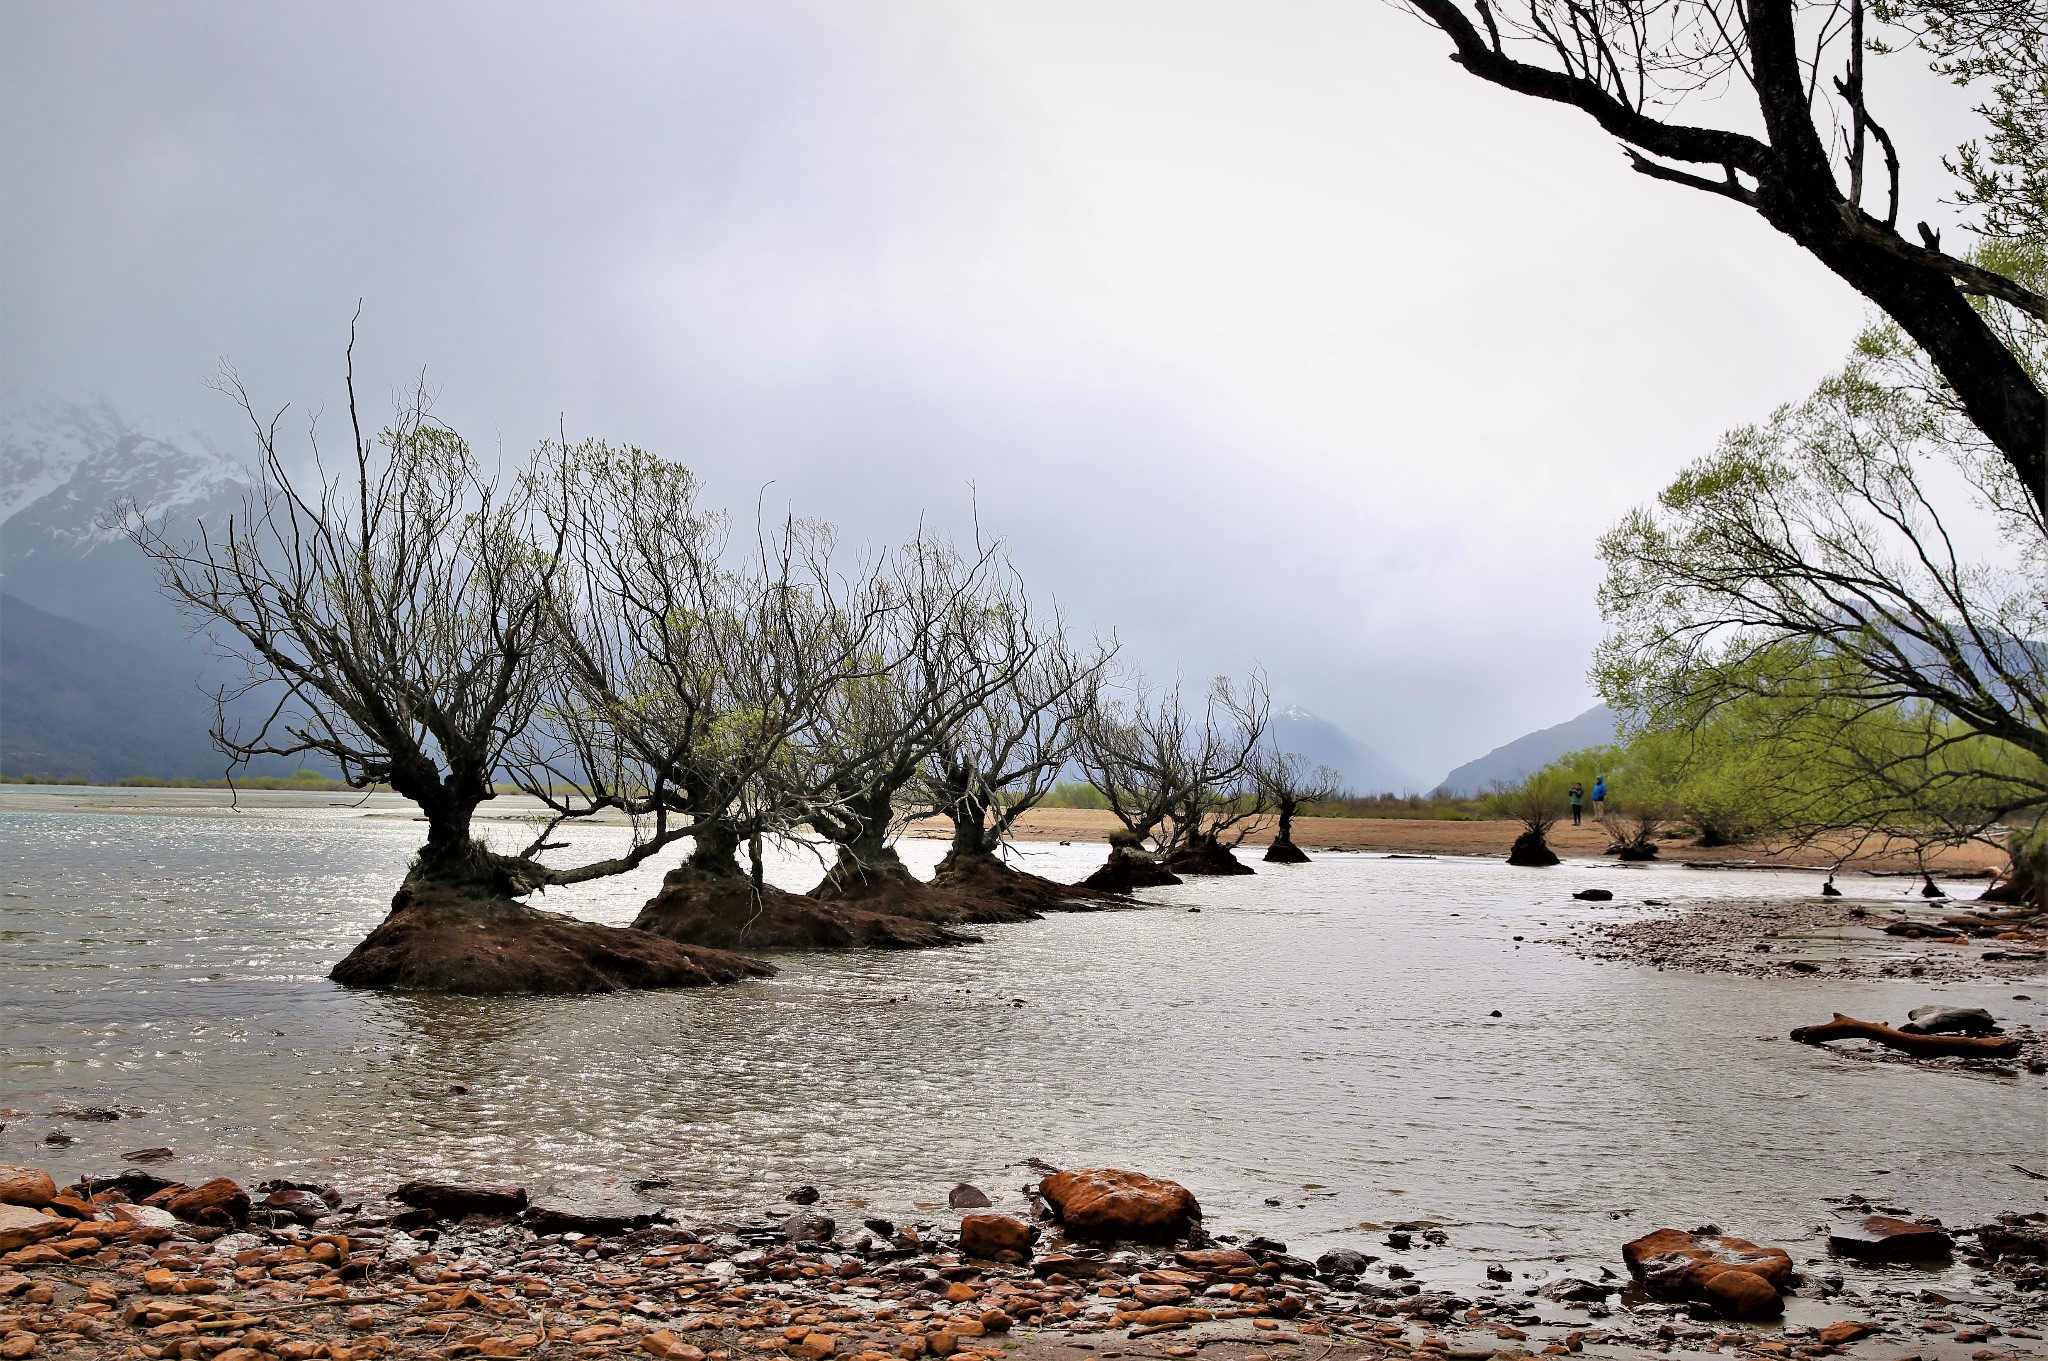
1387, 836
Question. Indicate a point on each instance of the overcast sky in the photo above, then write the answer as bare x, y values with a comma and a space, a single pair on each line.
1262, 332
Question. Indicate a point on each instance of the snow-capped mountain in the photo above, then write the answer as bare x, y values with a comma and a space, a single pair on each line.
1321, 742
65, 466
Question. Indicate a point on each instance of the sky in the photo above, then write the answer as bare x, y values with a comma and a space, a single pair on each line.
1262, 334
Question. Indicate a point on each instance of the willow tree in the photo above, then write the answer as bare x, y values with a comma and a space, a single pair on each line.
1867, 566
694, 684
1791, 134
1176, 777
1287, 784
956, 637
1005, 756
396, 617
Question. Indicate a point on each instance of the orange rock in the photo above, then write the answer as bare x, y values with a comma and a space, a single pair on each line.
910, 1348
159, 1280
669, 1347
1837, 1334
21, 1227
30, 1186
1216, 1259
1166, 1313
941, 1343
996, 1321
1671, 1262
960, 1292
1736, 1293
1109, 1204
814, 1347
17, 1345
219, 1202
987, 1235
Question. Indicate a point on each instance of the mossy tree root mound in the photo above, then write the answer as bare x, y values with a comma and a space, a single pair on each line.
986, 876
1285, 852
723, 912
1530, 849
1124, 872
1207, 857
442, 940
899, 895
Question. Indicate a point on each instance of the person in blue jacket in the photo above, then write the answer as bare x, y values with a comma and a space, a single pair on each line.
1599, 796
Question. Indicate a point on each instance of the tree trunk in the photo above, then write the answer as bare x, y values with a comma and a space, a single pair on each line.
2022, 884
1919, 1046
1283, 851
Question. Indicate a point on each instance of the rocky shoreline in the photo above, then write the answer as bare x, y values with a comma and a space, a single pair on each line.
134, 1267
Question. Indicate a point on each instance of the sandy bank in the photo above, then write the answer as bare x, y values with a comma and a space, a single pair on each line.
1422, 836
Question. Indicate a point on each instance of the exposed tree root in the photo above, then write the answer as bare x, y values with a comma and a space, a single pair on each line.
986, 876
1123, 872
1207, 859
722, 912
1919, 1046
1530, 849
439, 939
902, 896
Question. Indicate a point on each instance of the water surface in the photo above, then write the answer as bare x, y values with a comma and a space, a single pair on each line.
1318, 1036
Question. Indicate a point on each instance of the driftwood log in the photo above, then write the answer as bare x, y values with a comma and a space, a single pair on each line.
1919, 1046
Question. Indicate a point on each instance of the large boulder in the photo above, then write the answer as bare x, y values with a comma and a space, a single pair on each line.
220, 1203
1881, 1238
455, 1200
989, 1235
30, 1186
1110, 1205
1950, 1021
1677, 1264
598, 1211
21, 1226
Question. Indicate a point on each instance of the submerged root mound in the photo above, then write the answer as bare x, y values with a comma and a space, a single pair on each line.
1207, 860
904, 897
722, 912
1286, 853
440, 940
1123, 872
2022, 886
984, 876
1531, 849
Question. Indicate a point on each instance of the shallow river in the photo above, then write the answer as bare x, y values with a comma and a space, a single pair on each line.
1315, 1049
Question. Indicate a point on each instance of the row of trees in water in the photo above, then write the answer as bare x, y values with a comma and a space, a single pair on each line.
588, 631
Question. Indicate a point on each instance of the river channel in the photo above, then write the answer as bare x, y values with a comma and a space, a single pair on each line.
1358, 1041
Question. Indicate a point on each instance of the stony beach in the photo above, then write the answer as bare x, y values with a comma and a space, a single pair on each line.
445, 1271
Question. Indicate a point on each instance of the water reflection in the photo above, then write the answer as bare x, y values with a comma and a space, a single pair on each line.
1319, 1036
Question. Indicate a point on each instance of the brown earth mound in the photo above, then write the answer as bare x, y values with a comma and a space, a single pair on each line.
722, 913
1210, 859
1123, 872
984, 876
440, 941
1285, 853
904, 897
1530, 849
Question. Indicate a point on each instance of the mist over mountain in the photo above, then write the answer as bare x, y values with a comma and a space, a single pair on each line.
99, 674
64, 468
1533, 751
1321, 742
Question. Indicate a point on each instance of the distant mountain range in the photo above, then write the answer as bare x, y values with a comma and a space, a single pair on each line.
99, 675
1532, 751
